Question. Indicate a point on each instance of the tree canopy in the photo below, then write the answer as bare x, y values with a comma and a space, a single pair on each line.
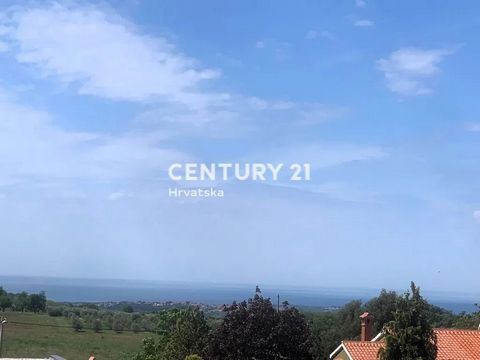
253, 329
410, 336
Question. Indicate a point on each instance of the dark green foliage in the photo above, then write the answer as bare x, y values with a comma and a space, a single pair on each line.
325, 333
118, 324
254, 330
97, 325
410, 336
37, 302
55, 311
20, 301
382, 308
293, 334
77, 323
189, 336
193, 357
150, 351
5, 300
128, 309
349, 319
180, 333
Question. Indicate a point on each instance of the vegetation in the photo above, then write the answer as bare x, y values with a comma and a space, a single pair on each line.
29, 335
249, 329
22, 302
253, 329
181, 333
410, 336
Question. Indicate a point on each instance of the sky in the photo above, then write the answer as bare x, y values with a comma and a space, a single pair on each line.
98, 99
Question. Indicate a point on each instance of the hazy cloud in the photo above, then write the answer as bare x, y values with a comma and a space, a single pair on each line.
313, 34
322, 155
476, 215
363, 23
473, 127
407, 70
33, 147
360, 3
88, 47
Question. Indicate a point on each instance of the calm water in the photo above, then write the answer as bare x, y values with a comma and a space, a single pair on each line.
88, 290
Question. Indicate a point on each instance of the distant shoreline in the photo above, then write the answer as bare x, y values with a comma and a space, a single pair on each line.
117, 290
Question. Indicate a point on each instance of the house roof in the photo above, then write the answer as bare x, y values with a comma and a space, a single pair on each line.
362, 350
453, 344
458, 344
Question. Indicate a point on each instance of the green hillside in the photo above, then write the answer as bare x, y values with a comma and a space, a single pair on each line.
41, 335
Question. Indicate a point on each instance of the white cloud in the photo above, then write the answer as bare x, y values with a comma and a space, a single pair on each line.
476, 215
238, 116
360, 3
323, 155
313, 34
33, 147
473, 127
406, 70
118, 195
343, 191
363, 23
312, 114
259, 44
3, 46
105, 55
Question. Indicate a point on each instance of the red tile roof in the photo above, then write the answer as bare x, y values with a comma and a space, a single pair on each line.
453, 344
458, 344
363, 350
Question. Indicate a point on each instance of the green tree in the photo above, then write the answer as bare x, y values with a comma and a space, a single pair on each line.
5, 301
254, 330
382, 308
37, 302
136, 327
292, 334
77, 323
117, 324
348, 318
20, 301
409, 336
325, 333
193, 357
190, 335
166, 323
97, 325
128, 309
150, 351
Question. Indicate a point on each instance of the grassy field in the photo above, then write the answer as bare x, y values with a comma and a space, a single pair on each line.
40, 341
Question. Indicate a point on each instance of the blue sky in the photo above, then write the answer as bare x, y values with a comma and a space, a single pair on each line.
97, 99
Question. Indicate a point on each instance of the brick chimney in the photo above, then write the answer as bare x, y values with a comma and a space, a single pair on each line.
366, 321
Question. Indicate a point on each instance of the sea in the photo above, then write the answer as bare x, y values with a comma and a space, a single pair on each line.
116, 290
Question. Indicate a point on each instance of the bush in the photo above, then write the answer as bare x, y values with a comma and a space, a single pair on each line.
55, 311
77, 323
117, 326
97, 325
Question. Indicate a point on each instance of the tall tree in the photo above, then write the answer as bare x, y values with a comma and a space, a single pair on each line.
410, 336
254, 330
382, 308
293, 334
190, 335
37, 302
180, 333
348, 317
